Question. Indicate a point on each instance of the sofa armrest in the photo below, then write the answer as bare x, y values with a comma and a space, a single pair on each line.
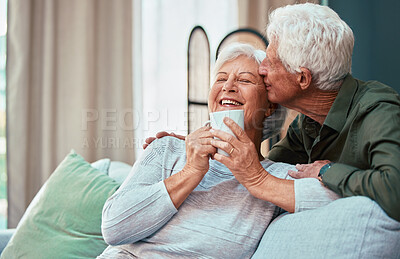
5, 236
353, 227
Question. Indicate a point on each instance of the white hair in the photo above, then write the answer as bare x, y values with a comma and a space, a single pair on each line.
312, 36
271, 125
235, 50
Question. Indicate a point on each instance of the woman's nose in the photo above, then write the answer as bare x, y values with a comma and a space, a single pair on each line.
230, 85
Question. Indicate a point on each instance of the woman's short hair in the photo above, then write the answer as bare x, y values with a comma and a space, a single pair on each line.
235, 50
272, 125
312, 36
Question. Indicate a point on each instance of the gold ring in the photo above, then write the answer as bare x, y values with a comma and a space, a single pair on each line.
230, 152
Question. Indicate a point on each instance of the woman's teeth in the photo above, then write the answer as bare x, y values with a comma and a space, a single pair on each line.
230, 102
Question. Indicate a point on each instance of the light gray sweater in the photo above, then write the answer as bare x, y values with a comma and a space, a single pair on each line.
219, 219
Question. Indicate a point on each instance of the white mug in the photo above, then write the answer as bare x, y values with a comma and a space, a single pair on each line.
217, 122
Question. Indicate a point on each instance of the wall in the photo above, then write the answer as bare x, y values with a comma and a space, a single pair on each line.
377, 38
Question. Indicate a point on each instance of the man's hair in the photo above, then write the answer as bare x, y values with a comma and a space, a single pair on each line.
312, 36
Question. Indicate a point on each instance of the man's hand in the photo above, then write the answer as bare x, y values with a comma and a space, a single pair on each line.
308, 170
161, 134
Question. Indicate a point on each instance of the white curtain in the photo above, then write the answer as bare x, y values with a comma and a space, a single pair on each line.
254, 13
69, 86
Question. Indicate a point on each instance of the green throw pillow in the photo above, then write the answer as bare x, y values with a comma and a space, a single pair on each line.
66, 220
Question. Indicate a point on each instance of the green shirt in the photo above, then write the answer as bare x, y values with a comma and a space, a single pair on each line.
361, 134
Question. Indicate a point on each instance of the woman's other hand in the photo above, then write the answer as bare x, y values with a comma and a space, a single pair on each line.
199, 150
243, 160
244, 163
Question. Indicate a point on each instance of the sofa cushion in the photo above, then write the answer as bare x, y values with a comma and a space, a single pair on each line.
65, 221
119, 171
353, 227
115, 169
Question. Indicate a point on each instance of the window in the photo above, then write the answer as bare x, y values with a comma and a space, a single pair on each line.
166, 26
3, 171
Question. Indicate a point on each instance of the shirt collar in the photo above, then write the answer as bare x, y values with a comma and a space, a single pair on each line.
338, 113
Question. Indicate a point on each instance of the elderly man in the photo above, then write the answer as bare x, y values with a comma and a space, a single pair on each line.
353, 123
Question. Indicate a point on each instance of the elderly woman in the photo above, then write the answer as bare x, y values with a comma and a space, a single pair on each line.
177, 201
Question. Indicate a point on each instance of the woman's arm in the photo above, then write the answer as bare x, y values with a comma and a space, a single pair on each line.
244, 164
198, 152
142, 204
151, 194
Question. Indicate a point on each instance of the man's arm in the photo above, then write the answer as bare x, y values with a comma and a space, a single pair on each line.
161, 134
378, 139
378, 145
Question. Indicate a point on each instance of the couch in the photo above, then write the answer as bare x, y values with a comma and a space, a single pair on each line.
326, 232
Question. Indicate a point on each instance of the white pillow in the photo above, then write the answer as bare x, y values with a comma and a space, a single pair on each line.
119, 171
102, 165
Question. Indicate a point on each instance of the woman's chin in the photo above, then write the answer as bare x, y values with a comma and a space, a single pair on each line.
229, 107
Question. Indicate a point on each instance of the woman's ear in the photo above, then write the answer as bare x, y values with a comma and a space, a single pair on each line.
271, 109
304, 78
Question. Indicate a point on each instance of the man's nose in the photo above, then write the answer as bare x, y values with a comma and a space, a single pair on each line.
262, 70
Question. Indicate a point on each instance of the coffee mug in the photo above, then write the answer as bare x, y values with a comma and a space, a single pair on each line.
217, 122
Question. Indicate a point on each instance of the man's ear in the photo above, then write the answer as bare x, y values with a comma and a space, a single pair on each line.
304, 78
271, 109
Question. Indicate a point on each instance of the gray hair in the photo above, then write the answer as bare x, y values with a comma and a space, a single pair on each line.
271, 125
312, 36
235, 50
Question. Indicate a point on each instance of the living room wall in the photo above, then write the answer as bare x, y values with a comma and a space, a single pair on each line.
377, 38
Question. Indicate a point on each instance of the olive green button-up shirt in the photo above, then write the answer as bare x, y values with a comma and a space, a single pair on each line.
361, 134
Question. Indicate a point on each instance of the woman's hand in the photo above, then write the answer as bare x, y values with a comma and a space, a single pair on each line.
243, 160
244, 163
199, 150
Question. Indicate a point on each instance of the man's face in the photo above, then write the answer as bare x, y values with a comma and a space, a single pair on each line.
281, 85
